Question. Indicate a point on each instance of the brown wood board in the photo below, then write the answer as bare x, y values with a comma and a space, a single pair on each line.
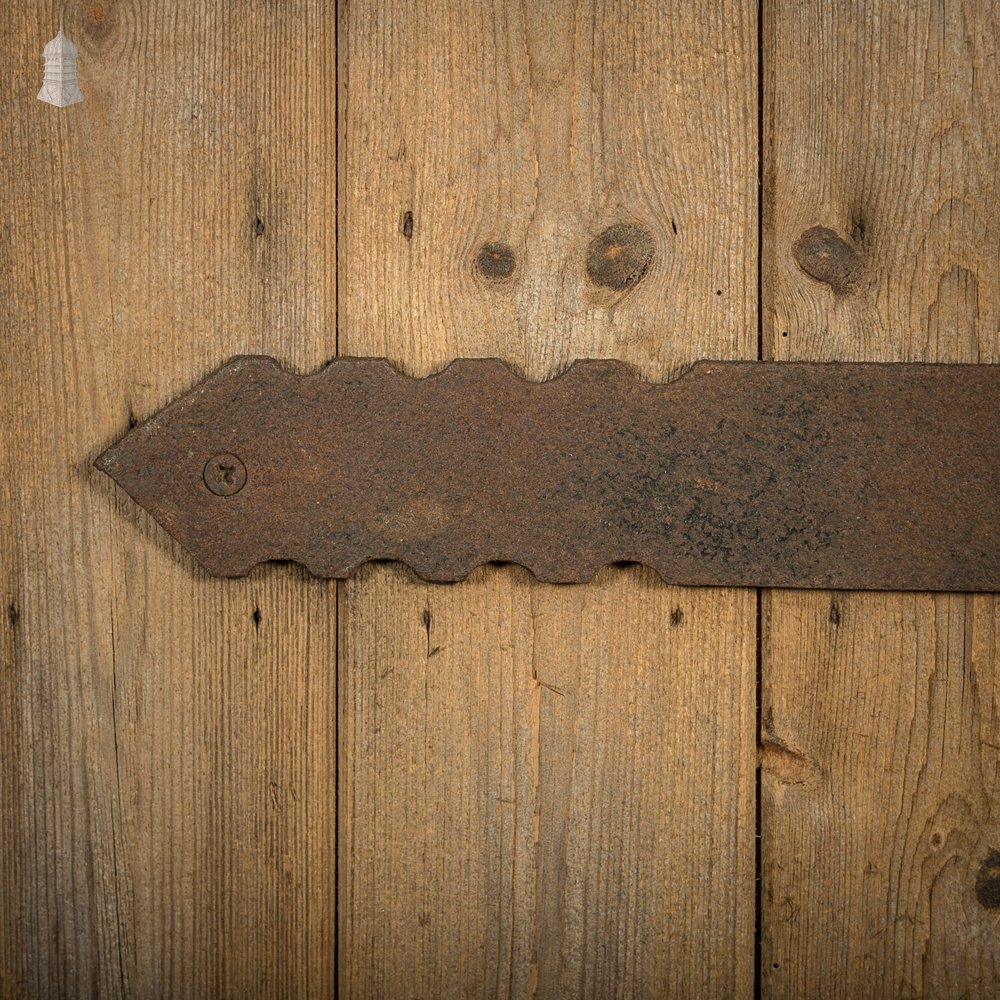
879, 711
516, 817
168, 739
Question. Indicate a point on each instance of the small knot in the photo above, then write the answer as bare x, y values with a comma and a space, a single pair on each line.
496, 261
829, 258
620, 256
99, 22
787, 766
988, 881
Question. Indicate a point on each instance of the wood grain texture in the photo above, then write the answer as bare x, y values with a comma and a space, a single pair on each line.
169, 739
546, 791
880, 720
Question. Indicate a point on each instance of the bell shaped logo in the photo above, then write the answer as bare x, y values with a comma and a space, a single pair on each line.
60, 86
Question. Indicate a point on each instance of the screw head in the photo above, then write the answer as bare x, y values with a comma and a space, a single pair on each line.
225, 474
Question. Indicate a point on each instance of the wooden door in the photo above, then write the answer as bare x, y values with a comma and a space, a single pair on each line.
282, 786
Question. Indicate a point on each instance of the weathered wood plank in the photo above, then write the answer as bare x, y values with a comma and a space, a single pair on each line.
168, 738
546, 790
879, 711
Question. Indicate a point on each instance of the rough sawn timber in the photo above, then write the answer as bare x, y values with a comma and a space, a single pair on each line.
546, 790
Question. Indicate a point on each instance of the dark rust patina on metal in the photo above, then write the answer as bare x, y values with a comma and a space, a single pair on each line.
874, 476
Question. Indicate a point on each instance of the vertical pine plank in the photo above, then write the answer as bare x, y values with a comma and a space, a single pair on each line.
881, 731
546, 790
168, 738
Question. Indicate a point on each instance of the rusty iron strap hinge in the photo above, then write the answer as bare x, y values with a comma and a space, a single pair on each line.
843, 475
